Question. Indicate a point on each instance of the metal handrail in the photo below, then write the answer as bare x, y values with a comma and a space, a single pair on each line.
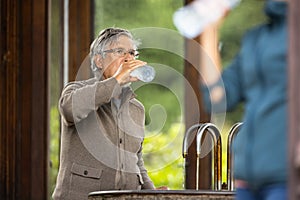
232, 133
216, 136
187, 141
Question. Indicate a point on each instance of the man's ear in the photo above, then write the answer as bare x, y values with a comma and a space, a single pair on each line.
98, 60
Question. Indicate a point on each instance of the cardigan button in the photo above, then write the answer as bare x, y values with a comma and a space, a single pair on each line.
85, 172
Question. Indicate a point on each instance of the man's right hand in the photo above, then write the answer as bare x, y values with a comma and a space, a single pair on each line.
126, 67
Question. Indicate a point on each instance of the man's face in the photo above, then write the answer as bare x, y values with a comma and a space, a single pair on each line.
112, 60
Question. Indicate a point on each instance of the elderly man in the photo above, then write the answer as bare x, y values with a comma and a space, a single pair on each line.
103, 123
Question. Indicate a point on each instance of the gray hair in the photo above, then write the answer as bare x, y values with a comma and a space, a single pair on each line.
107, 37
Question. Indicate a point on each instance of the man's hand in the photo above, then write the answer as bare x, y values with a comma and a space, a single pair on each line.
162, 188
123, 73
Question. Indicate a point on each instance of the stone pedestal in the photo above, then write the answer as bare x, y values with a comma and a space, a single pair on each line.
161, 195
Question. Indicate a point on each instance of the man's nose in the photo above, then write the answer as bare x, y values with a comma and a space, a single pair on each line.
128, 56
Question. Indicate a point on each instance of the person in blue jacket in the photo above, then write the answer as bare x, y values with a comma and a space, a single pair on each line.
258, 77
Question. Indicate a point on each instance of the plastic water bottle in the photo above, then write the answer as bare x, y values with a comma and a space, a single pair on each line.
145, 73
192, 19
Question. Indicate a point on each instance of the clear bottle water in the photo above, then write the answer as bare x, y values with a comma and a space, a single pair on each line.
145, 73
192, 19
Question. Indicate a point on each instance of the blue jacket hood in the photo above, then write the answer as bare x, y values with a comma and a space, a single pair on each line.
275, 9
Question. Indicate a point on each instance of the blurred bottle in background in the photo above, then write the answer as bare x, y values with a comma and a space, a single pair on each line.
192, 19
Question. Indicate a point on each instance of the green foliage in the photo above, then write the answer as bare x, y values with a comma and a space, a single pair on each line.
131, 14
163, 159
54, 95
54, 147
160, 96
247, 14
55, 56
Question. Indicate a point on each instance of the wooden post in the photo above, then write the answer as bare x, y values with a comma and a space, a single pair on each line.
24, 99
294, 100
208, 41
81, 33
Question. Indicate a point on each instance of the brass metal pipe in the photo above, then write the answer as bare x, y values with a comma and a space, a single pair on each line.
232, 133
216, 136
187, 140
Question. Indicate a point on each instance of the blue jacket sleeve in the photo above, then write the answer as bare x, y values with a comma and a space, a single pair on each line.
231, 84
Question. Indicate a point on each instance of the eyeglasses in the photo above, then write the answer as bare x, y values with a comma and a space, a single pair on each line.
122, 52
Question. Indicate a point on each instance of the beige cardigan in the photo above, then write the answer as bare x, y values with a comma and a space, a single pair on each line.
101, 145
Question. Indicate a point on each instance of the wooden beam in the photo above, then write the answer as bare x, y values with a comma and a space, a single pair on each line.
80, 37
